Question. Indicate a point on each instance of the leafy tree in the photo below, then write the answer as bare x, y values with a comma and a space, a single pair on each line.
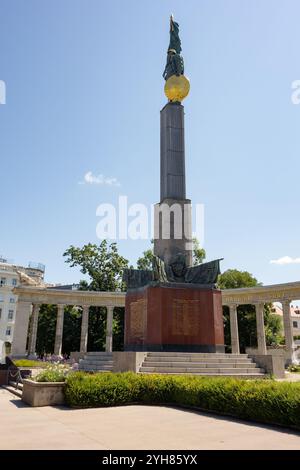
102, 263
232, 279
145, 261
199, 253
104, 267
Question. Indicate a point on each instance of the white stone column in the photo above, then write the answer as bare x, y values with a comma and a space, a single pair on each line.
260, 328
33, 330
109, 324
288, 331
84, 328
59, 330
234, 330
21, 328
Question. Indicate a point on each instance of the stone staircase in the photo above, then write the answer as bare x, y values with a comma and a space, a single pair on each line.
14, 388
206, 364
96, 362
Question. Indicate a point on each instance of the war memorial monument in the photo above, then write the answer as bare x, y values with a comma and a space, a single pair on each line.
175, 306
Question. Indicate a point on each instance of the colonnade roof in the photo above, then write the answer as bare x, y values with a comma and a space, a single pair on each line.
246, 295
252, 295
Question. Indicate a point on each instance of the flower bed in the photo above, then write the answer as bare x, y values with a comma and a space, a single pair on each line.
47, 387
266, 401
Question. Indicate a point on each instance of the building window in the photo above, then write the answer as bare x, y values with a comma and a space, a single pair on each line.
10, 314
2, 281
0, 312
14, 282
295, 324
1, 298
8, 331
12, 300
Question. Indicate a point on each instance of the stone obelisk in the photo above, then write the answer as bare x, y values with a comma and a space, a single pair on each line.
175, 306
172, 227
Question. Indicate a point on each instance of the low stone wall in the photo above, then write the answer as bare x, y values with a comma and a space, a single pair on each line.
76, 355
272, 364
275, 352
43, 393
124, 361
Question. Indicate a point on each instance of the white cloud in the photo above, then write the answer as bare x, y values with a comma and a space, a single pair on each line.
89, 178
285, 260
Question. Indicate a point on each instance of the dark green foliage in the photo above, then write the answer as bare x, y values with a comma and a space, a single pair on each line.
265, 401
72, 327
118, 329
97, 328
233, 279
46, 329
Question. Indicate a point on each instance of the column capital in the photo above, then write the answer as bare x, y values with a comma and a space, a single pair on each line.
232, 306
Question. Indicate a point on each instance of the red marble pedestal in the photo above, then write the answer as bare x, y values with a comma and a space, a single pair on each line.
163, 318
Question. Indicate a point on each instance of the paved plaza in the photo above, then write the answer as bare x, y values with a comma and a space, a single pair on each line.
130, 427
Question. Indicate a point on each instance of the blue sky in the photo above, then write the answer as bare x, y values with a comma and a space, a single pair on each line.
84, 89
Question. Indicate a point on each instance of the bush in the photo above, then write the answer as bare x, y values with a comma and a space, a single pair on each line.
266, 401
294, 368
53, 373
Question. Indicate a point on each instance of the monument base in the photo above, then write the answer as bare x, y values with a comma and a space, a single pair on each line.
174, 318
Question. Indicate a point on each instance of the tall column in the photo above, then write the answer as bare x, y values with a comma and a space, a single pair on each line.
84, 328
260, 328
288, 331
109, 324
21, 328
172, 222
59, 330
234, 330
33, 330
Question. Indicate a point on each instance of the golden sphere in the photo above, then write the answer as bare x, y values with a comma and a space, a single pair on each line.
177, 88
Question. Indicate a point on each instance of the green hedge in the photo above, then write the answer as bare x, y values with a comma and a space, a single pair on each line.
265, 401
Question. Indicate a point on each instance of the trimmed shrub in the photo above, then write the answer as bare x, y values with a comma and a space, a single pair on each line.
265, 401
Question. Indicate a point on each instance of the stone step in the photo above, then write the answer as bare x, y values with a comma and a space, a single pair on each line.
94, 367
196, 354
199, 370
18, 386
258, 375
98, 354
89, 361
13, 390
222, 365
230, 360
